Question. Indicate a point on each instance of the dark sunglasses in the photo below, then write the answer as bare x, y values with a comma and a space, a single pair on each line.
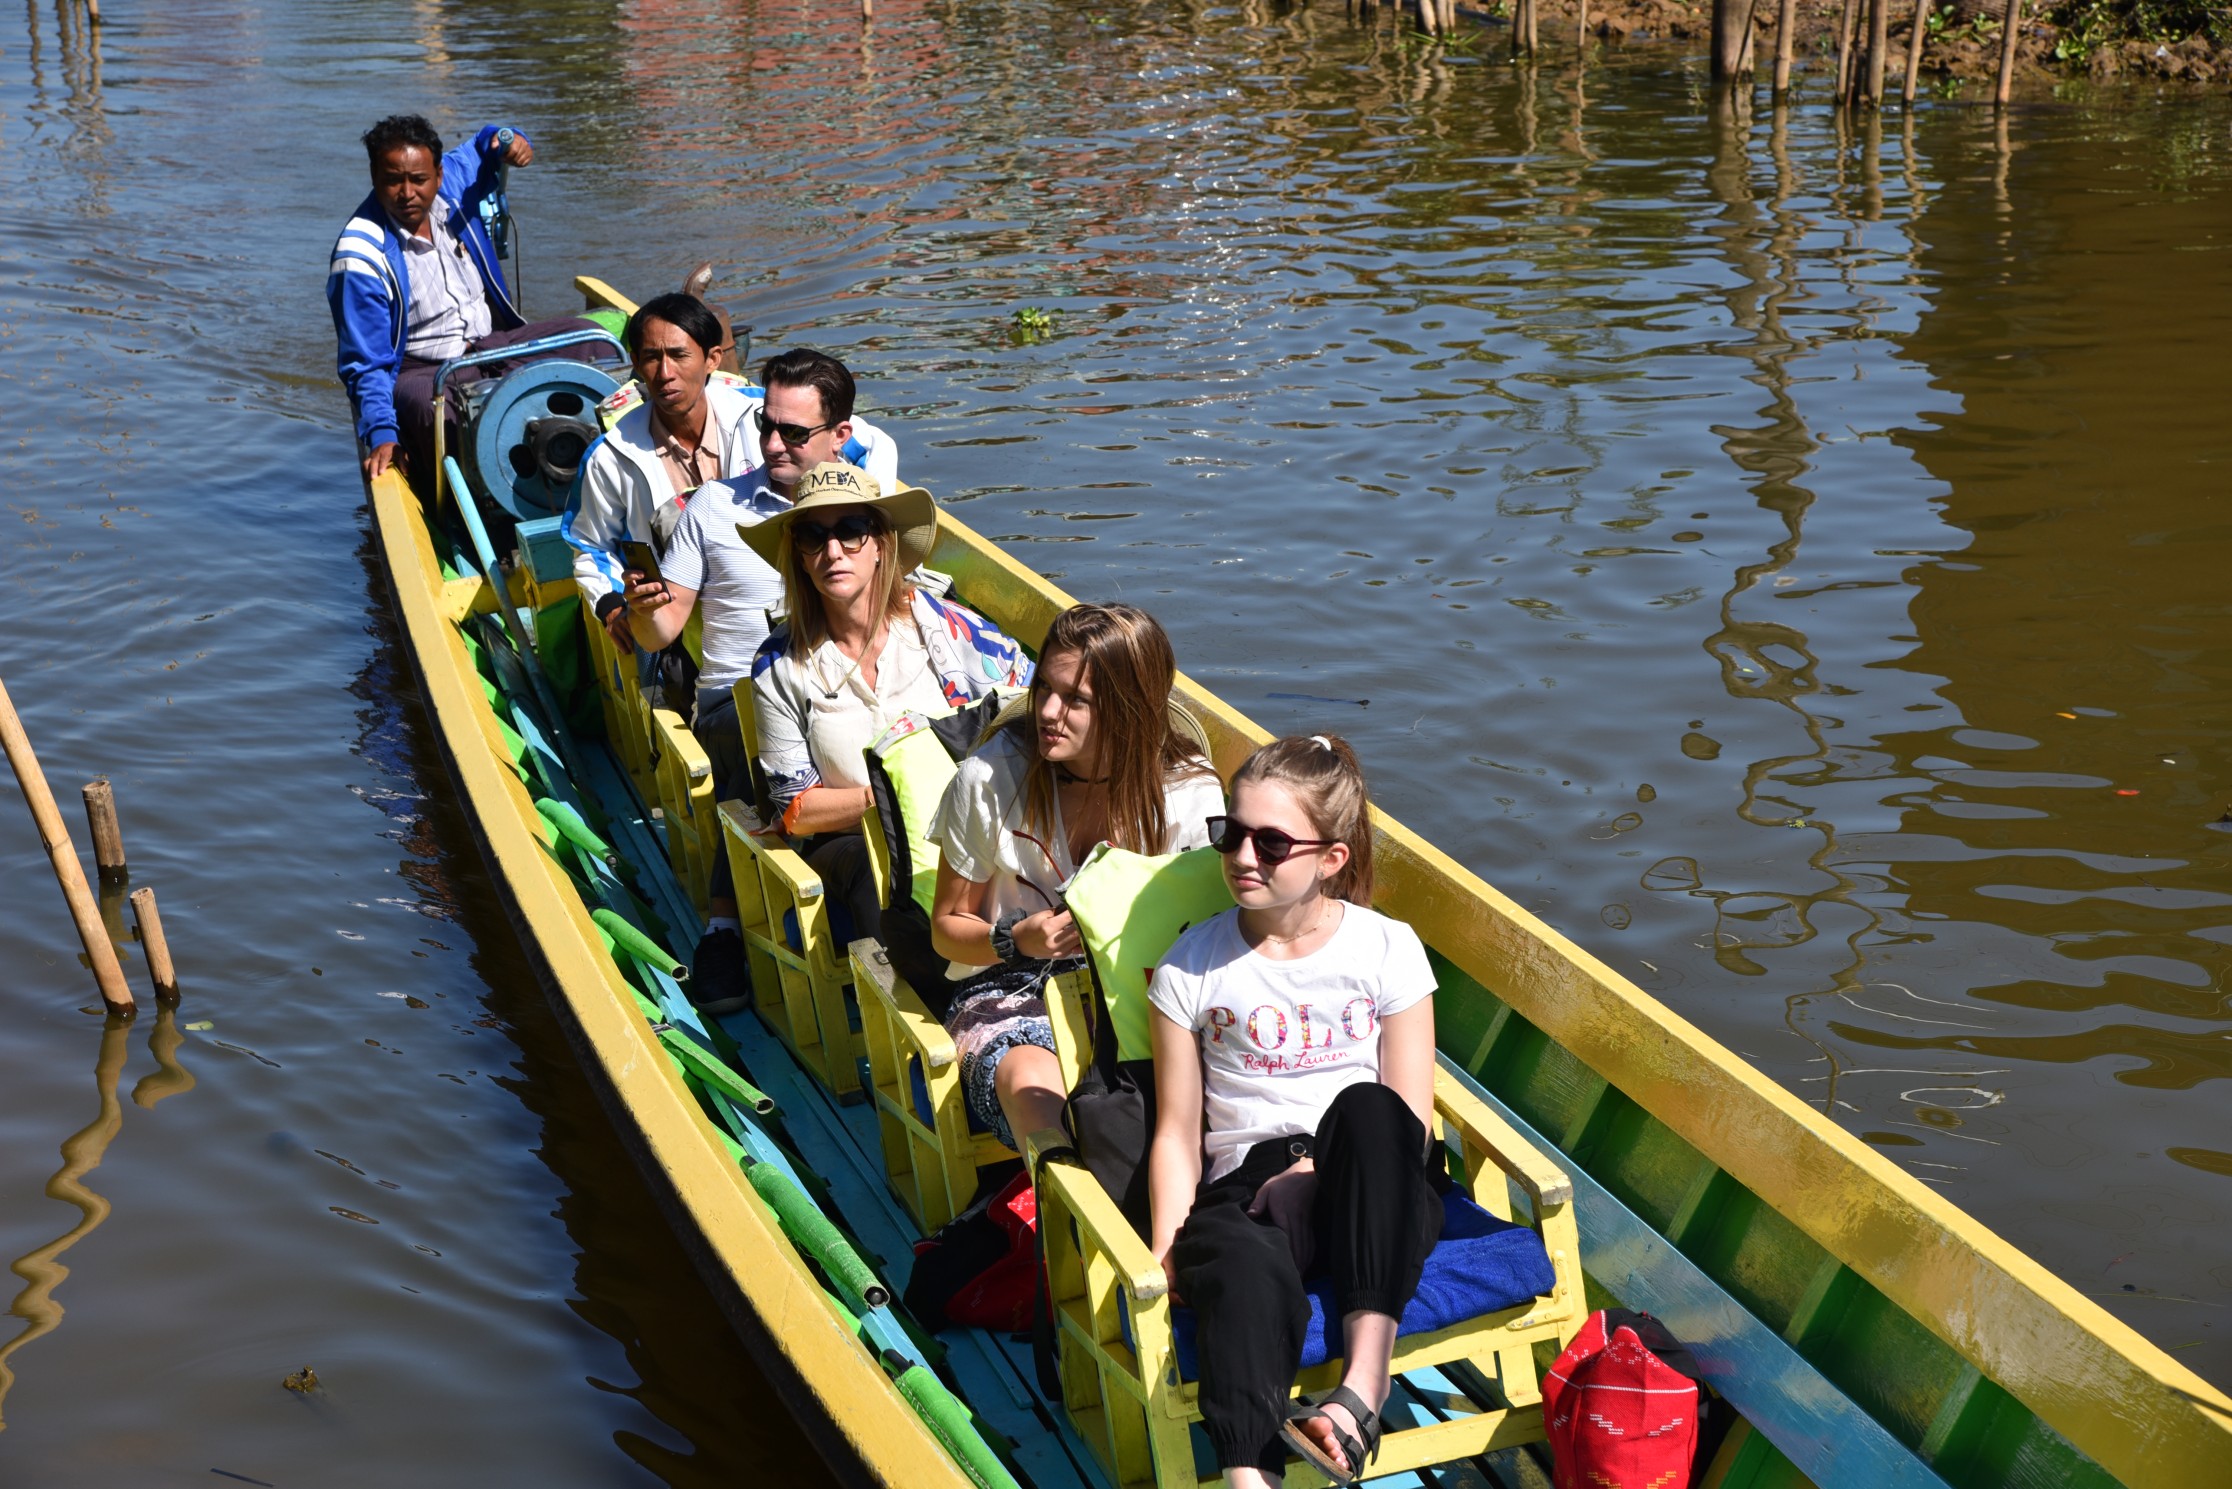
793, 434
1272, 847
851, 533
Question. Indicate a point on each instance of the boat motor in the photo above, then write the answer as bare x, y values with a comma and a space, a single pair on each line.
526, 435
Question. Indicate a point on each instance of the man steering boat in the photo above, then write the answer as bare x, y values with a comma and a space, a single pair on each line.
415, 281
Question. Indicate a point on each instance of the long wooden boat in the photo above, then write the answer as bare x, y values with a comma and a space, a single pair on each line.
1865, 1330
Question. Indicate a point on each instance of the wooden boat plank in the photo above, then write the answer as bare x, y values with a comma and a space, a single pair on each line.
840, 1144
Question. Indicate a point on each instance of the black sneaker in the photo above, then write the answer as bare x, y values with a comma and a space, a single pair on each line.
721, 974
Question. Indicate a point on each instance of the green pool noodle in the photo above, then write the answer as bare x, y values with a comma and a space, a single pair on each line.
810, 1230
570, 826
949, 1421
636, 944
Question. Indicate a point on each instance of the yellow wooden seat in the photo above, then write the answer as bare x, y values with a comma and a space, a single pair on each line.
662, 757
800, 976
1112, 1310
931, 1156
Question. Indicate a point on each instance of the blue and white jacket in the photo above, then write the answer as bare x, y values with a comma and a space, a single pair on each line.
370, 289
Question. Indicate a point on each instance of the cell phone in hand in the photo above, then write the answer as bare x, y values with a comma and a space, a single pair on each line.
639, 557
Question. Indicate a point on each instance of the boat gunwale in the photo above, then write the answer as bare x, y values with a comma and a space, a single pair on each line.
772, 1301
2075, 1366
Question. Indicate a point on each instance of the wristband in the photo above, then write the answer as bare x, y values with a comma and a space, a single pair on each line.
608, 602
1003, 936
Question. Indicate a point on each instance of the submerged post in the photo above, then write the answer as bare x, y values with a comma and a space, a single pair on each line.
159, 969
1786, 27
1844, 55
1914, 50
1879, 30
2009, 28
1731, 24
108, 838
107, 972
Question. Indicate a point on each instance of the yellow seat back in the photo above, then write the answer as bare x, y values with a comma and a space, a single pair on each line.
1130, 908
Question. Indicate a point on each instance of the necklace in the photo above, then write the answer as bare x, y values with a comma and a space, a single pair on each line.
1069, 777
1311, 929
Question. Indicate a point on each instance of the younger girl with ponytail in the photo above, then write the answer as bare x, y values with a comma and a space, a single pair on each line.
1294, 1070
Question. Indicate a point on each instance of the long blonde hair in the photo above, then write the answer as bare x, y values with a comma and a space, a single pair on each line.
1327, 782
808, 609
1127, 658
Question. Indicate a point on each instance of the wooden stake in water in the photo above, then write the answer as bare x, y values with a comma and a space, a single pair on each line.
1786, 31
2009, 30
1844, 55
159, 969
108, 838
1922, 10
115, 992
1879, 30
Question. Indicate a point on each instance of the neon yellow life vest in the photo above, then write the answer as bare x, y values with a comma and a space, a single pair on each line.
919, 769
1130, 908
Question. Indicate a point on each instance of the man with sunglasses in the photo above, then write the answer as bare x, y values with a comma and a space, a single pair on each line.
680, 424
805, 420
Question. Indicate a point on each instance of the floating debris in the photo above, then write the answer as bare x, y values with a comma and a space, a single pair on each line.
303, 1381
1318, 698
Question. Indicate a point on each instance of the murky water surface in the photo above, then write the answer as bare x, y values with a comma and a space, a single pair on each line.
1789, 554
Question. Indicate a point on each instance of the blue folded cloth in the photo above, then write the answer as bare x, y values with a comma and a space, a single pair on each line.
1481, 1265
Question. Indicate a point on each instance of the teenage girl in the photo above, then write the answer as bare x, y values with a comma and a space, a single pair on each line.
1096, 757
1294, 1065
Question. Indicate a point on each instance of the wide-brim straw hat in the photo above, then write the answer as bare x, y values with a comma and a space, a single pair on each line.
912, 513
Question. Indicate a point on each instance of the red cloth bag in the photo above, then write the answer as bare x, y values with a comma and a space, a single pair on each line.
1620, 1416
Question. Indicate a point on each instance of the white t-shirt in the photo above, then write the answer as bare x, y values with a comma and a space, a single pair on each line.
735, 586
1280, 1039
977, 821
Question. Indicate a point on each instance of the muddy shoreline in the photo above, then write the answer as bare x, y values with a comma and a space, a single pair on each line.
1965, 48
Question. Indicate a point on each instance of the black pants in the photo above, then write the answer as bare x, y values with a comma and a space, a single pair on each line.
848, 881
414, 390
715, 725
1378, 1215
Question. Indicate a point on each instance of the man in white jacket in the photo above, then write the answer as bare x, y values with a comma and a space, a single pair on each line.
678, 426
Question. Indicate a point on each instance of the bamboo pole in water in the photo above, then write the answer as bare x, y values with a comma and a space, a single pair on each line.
55, 836
1914, 50
108, 838
1844, 54
1581, 29
1786, 29
1879, 30
159, 969
2009, 30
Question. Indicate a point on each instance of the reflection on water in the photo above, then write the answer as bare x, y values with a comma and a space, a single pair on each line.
41, 1270
1777, 546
